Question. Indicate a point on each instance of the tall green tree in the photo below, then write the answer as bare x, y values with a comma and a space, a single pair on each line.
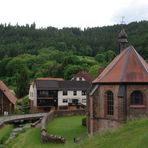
22, 82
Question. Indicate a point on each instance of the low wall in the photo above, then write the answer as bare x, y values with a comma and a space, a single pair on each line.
48, 138
61, 113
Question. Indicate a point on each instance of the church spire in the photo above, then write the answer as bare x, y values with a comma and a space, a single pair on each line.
122, 39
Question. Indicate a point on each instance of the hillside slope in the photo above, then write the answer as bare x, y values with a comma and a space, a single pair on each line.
132, 135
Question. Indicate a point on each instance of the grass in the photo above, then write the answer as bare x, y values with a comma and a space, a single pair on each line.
132, 135
69, 127
5, 132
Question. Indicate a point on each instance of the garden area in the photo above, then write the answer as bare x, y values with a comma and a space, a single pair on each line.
133, 134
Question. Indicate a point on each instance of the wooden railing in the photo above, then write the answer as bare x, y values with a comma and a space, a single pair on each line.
7, 119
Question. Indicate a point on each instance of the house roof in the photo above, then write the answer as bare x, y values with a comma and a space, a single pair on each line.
47, 84
128, 67
74, 85
61, 85
54, 79
7, 92
85, 75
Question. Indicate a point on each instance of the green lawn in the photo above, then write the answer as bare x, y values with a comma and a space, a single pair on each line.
132, 135
4, 133
69, 127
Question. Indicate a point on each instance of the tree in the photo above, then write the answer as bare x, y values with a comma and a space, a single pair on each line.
71, 70
22, 82
100, 57
109, 55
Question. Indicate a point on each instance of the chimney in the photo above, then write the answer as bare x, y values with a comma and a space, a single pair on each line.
122, 39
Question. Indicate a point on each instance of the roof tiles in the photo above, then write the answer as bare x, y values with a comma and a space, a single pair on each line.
7, 92
128, 67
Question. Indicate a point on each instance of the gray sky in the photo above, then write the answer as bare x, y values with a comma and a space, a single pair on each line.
72, 13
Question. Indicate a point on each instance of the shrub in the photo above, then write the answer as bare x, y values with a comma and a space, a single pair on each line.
5, 132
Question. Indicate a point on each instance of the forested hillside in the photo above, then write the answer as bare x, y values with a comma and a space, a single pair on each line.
27, 52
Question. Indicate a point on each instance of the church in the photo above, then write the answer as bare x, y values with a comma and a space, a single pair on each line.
120, 92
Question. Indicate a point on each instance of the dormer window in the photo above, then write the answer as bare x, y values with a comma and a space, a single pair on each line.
80, 79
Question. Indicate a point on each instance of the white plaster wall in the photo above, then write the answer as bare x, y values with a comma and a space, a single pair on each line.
35, 96
70, 95
31, 91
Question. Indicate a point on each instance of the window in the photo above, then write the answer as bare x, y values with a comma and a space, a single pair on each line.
83, 93
110, 103
43, 93
65, 100
74, 93
83, 100
136, 98
80, 78
64, 93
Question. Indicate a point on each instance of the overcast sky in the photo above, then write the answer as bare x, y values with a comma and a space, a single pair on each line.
72, 13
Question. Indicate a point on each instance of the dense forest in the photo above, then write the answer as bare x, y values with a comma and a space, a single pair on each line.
27, 52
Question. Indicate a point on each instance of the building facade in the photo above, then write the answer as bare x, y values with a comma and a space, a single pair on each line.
47, 93
120, 92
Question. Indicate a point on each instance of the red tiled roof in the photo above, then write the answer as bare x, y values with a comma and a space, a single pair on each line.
7, 92
127, 67
54, 79
100, 71
85, 75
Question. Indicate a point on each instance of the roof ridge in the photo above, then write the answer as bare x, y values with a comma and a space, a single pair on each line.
113, 63
140, 60
125, 66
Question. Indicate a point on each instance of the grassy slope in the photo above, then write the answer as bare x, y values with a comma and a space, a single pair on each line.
69, 127
4, 133
132, 135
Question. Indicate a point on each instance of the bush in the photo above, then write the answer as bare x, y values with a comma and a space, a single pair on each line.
84, 121
5, 132
23, 106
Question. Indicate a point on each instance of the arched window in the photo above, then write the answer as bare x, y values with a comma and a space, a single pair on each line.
136, 98
110, 103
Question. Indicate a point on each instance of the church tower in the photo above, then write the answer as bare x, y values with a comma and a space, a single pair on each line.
122, 39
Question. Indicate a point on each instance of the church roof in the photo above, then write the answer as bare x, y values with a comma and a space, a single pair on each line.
127, 67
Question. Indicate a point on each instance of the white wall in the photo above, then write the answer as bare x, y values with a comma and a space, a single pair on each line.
69, 96
33, 94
